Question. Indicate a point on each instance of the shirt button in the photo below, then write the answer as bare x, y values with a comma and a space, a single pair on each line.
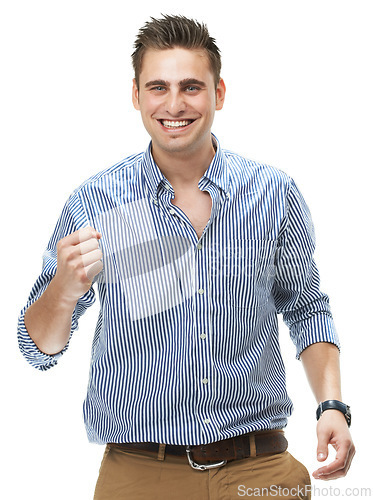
201, 291
207, 421
155, 202
199, 246
205, 381
172, 211
203, 336
167, 186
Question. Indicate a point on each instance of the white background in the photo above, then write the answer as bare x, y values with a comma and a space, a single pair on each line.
299, 97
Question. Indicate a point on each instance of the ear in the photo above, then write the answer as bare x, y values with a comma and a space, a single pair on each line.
135, 95
220, 94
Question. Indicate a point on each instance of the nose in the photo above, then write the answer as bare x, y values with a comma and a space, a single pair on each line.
175, 102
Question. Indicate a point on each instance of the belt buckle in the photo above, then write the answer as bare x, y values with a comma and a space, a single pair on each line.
196, 466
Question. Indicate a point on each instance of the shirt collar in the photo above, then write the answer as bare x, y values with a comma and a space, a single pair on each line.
217, 171
152, 173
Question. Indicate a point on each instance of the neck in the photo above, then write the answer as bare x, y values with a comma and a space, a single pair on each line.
184, 169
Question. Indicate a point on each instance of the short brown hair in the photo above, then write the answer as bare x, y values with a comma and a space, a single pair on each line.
175, 31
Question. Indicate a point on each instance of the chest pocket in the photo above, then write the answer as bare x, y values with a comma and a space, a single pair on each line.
251, 272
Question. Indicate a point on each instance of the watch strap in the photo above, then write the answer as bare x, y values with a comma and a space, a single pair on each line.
333, 404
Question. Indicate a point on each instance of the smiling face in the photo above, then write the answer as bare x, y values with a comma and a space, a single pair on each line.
177, 99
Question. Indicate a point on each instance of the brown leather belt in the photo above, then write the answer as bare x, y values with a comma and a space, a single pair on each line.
216, 454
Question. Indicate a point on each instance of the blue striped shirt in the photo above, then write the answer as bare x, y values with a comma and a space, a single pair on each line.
186, 347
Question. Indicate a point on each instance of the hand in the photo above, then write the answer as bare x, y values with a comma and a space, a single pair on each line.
78, 262
332, 429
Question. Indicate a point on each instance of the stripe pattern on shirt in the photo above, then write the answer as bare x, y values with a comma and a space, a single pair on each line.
186, 347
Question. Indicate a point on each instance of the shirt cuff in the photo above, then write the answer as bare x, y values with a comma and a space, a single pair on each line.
318, 328
32, 353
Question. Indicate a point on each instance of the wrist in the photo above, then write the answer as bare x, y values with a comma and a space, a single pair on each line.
59, 297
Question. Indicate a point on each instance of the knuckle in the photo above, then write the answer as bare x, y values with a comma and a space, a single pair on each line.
69, 256
348, 445
342, 465
82, 276
76, 267
61, 244
72, 264
70, 259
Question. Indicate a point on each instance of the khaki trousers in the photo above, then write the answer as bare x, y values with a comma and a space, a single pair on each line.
141, 476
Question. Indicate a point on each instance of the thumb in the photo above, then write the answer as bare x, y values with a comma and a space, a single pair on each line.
322, 447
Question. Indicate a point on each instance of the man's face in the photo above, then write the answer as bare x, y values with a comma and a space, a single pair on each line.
177, 99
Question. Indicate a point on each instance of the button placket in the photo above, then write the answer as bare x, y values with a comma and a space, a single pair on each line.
204, 373
172, 214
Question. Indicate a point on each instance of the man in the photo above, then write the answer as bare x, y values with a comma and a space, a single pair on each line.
194, 251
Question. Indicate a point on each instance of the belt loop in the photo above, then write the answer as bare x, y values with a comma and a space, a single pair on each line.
161, 451
252, 445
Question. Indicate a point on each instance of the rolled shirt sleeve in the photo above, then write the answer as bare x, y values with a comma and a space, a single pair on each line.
71, 219
296, 291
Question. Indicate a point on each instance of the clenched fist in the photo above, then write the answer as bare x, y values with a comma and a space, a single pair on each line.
78, 262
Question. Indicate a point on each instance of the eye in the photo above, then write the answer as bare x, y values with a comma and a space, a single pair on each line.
158, 88
192, 88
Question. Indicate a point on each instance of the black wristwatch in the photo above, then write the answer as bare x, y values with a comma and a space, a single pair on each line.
333, 404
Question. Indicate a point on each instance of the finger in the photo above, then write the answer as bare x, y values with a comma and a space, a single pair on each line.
337, 474
322, 447
91, 257
81, 235
339, 464
351, 456
86, 233
88, 246
93, 270
325, 472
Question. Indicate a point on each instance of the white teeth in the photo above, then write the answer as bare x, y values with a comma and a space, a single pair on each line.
176, 124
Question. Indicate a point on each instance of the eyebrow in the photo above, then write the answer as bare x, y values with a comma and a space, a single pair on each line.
182, 83
191, 81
